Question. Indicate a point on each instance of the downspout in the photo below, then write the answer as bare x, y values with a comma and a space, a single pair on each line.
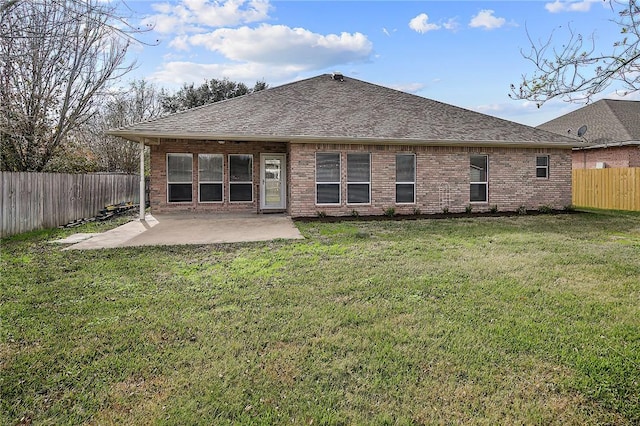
142, 186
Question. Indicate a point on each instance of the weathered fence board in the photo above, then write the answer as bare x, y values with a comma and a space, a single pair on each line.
615, 189
31, 201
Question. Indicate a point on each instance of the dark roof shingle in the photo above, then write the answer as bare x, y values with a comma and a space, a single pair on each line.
607, 120
324, 109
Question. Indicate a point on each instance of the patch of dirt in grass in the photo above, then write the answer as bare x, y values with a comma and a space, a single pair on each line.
517, 396
136, 400
6, 352
279, 362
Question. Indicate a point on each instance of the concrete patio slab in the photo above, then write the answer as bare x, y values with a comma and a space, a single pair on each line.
75, 238
180, 229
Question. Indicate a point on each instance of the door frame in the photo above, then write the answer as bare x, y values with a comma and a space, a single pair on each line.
283, 181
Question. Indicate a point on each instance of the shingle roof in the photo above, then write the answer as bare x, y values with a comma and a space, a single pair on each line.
607, 120
322, 109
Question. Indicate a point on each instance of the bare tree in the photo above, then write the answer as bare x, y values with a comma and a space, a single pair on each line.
138, 102
577, 70
56, 57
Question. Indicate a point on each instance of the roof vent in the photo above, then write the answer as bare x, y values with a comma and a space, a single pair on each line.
337, 76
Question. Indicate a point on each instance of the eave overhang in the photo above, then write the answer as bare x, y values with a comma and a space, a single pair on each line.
607, 145
155, 138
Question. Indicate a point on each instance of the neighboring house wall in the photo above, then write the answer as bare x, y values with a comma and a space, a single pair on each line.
443, 179
612, 156
158, 193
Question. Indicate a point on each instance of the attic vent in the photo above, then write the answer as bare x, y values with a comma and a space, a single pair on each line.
337, 76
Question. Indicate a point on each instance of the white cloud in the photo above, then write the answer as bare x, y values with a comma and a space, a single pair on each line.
387, 32
622, 95
408, 87
452, 24
569, 6
163, 24
180, 43
279, 44
188, 16
178, 72
421, 24
490, 108
486, 19
525, 112
250, 54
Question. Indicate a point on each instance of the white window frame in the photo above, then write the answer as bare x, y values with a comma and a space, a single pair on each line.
169, 183
368, 182
406, 183
338, 182
240, 182
545, 168
202, 181
485, 182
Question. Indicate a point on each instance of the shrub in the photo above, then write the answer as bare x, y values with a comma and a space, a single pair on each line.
354, 213
522, 210
545, 209
445, 210
391, 211
321, 214
468, 209
494, 208
417, 211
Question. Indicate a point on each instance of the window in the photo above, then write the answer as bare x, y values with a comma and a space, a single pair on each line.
240, 178
179, 178
542, 166
358, 178
479, 175
405, 178
327, 178
210, 177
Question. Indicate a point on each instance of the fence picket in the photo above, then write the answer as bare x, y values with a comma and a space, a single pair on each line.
615, 189
31, 201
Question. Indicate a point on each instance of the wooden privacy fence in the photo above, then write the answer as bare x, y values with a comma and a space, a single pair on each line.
31, 201
615, 189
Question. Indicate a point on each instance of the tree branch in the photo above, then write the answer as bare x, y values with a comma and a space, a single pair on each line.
575, 71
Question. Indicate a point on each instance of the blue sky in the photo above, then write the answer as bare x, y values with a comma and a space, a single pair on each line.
466, 53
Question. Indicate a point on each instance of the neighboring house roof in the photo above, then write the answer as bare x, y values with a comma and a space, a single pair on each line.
608, 122
324, 109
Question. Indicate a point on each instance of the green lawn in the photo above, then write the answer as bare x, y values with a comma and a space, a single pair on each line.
519, 320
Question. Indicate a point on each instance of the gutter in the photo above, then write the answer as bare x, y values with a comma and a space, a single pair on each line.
608, 145
156, 138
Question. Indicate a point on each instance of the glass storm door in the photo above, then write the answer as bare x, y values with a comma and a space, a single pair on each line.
273, 179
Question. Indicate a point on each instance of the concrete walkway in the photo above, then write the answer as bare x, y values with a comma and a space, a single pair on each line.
162, 230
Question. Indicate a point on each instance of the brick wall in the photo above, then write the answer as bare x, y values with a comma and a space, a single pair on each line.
158, 192
442, 179
613, 157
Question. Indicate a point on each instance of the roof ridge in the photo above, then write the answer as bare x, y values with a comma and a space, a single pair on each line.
617, 117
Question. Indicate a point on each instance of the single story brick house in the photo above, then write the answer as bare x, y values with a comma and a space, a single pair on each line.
339, 146
612, 138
